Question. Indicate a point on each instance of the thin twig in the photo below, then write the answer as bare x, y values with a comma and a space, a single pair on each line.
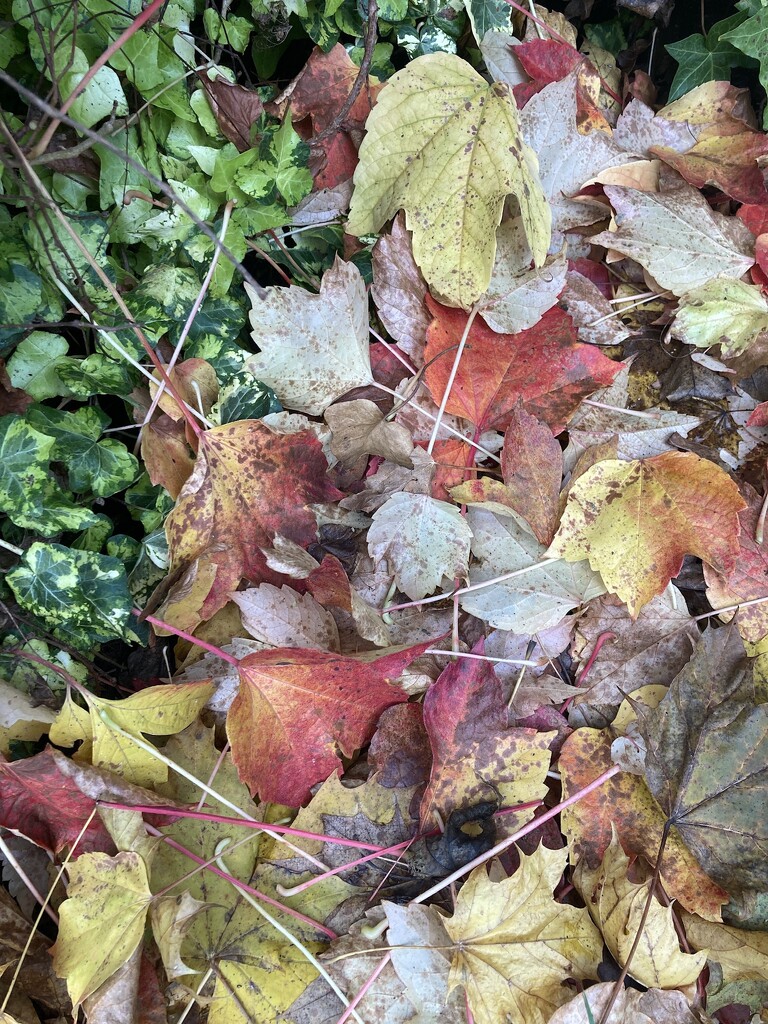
362, 76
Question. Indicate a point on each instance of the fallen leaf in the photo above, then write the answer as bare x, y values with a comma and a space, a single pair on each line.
235, 108
649, 650
741, 955
279, 617
730, 314
727, 161
314, 348
545, 367
305, 706
359, 428
102, 920
748, 578
625, 802
171, 918
617, 906
630, 1007
518, 296
511, 964
439, 113
679, 240
244, 472
534, 599
532, 469
635, 521
707, 763
40, 802
423, 962
476, 757
567, 159
399, 291
155, 711
424, 541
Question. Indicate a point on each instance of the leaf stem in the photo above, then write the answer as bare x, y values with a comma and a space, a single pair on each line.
452, 376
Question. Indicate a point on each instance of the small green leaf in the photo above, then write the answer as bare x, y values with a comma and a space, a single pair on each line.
75, 589
292, 176
751, 38
29, 495
102, 467
705, 59
231, 31
33, 366
245, 398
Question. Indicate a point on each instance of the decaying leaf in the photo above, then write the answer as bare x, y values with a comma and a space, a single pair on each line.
423, 540
512, 964
445, 146
314, 348
617, 907
707, 762
634, 522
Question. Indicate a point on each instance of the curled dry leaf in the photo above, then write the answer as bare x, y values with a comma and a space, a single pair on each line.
359, 428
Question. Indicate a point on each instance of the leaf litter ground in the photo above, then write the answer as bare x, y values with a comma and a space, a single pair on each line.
459, 528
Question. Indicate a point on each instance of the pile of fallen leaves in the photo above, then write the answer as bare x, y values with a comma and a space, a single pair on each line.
456, 534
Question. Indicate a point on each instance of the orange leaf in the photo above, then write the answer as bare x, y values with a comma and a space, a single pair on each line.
544, 366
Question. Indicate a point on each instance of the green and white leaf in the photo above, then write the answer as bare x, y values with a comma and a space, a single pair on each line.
80, 589
29, 495
731, 314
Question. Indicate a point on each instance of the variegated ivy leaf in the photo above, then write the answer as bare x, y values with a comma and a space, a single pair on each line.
77, 592
102, 467
29, 495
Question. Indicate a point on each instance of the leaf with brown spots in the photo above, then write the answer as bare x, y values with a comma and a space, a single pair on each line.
545, 367
635, 521
532, 467
476, 756
298, 710
249, 483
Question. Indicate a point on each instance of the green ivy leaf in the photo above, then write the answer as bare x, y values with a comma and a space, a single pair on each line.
33, 367
103, 467
79, 590
705, 58
97, 374
751, 38
245, 398
29, 495
232, 31
20, 299
292, 175
488, 16
148, 503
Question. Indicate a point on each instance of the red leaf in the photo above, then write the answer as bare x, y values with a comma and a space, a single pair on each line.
298, 708
41, 803
545, 366
728, 162
545, 61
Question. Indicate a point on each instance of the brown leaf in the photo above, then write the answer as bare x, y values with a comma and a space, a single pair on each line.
235, 108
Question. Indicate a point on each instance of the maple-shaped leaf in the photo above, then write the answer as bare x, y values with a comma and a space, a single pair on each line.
532, 599
41, 803
359, 428
475, 756
748, 579
625, 802
156, 711
545, 367
314, 348
445, 146
298, 708
635, 521
567, 159
249, 483
730, 314
676, 236
730, 162
423, 541
707, 763
656, 1006
617, 906
532, 470
512, 964
102, 919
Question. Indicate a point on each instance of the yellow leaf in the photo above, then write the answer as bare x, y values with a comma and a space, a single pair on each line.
171, 918
515, 944
158, 711
742, 955
445, 146
635, 521
101, 921
617, 905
